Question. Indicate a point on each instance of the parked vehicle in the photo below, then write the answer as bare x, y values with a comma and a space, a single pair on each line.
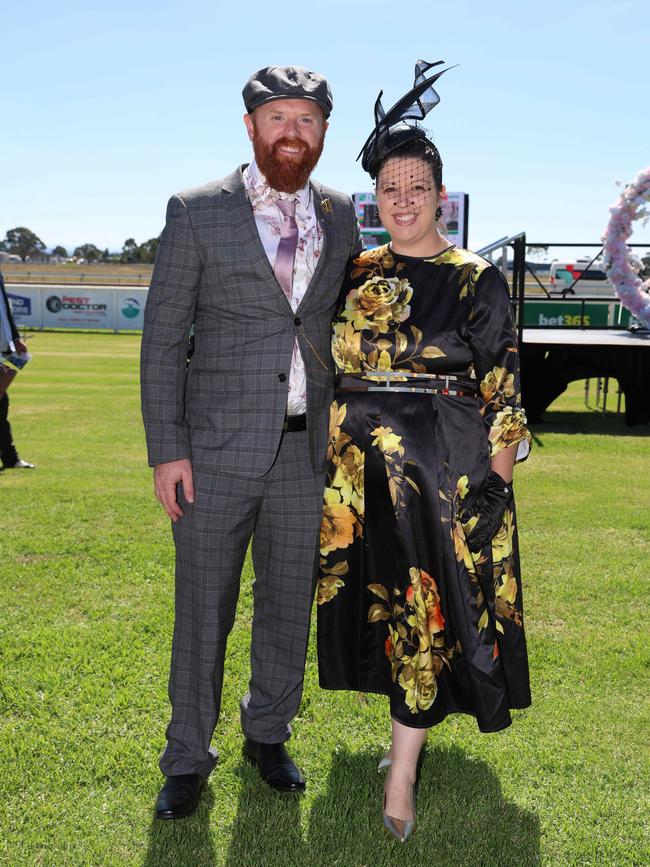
579, 277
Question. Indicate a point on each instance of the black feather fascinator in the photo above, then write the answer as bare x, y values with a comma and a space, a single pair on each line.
400, 123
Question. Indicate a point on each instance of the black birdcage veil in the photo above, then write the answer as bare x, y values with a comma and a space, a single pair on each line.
398, 124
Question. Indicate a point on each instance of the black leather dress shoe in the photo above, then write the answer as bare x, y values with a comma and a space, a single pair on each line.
19, 464
275, 765
179, 796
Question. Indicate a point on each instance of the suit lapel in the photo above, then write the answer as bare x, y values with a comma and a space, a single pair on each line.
245, 229
246, 232
322, 207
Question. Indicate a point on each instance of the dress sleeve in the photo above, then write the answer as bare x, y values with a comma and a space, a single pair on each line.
493, 340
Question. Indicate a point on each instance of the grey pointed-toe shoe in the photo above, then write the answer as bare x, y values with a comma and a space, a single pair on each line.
384, 763
401, 829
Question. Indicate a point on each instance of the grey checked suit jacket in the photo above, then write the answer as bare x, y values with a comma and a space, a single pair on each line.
226, 408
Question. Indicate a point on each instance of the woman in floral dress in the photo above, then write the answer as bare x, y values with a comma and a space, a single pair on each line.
419, 593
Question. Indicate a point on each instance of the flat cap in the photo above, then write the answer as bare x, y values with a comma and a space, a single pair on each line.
286, 82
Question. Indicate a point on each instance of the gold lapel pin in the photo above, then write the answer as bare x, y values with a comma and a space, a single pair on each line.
326, 205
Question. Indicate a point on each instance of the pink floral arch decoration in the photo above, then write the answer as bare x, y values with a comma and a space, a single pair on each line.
621, 266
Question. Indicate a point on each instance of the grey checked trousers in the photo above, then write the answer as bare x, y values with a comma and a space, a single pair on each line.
281, 512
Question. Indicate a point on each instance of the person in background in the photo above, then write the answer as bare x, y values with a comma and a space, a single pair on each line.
8, 334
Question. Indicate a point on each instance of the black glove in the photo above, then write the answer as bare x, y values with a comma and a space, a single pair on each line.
489, 505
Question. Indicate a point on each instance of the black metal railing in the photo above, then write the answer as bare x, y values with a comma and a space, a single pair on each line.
518, 282
517, 268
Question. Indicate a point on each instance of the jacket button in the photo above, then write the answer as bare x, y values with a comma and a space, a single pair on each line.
297, 321
282, 377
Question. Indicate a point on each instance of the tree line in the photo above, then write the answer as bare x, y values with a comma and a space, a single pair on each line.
25, 243
22, 242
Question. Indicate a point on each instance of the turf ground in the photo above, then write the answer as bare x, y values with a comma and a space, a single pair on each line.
86, 609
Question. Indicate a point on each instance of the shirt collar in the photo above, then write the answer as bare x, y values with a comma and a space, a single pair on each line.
261, 193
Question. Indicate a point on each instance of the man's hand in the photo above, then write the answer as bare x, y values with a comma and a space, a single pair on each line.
165, 478
20, 346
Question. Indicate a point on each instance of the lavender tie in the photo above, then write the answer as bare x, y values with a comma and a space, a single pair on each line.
287, 247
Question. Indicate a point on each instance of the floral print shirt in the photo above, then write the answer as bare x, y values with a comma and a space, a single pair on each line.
268, 219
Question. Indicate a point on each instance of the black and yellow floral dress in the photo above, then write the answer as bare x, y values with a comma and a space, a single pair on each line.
427, 392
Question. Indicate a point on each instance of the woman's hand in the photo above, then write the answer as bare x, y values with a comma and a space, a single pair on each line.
489, 506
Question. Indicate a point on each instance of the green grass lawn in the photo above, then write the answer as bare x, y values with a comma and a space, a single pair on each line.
86, 612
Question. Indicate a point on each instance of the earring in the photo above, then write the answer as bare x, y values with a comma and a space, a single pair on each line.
438, 213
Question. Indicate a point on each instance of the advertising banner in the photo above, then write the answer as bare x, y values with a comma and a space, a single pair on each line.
122, 309
455, 213
77, 307
572, 314
373, 233
25, 305
130, 309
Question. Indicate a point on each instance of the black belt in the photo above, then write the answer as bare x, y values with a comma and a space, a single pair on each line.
404, 381
293, 423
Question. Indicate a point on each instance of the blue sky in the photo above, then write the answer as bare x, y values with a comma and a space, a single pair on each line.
109, 108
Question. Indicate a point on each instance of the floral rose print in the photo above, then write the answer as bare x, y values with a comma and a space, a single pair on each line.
387, 441
337, 527
497, 385
508, 429
415, 645
380, 304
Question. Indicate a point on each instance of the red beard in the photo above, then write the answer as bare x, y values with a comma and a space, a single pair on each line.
286, 174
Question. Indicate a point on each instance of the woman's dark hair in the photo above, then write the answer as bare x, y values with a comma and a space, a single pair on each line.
420, 147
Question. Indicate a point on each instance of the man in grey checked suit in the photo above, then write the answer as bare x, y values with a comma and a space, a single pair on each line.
237, 436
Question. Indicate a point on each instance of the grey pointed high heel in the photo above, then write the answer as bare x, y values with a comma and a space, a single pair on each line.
384, 763
401, 829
